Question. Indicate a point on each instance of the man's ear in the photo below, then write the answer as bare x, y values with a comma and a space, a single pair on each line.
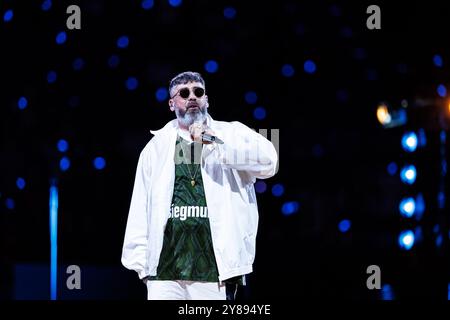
172, 108
207, 103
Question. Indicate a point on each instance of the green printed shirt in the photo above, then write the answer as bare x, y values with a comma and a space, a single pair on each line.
187, 252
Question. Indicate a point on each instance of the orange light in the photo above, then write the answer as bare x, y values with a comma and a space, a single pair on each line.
383, 115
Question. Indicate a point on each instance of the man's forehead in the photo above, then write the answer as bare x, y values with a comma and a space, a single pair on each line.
189, 84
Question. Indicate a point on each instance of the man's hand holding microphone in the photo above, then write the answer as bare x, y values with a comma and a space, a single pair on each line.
203, 134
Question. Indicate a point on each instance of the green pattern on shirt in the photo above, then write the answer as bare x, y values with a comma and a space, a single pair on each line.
187, 252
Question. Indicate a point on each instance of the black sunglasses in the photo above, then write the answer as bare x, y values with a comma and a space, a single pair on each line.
186, 92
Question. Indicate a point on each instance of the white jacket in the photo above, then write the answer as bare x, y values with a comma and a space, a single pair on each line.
228, 171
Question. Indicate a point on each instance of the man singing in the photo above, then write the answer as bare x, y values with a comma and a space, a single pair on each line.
193, 218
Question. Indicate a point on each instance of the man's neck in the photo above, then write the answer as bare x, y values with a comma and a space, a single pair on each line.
182, 126
183, 132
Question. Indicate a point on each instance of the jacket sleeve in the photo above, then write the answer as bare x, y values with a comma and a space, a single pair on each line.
248, 151
134, 250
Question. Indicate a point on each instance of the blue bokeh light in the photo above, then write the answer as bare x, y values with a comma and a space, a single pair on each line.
51, 77
423, 138
175, 3
420, 206
62, 145
22, 103
131, 83
441, 200
448, 290
123, 42
78, 64
442, 90
408, 174
287, 70
147, 4
289, 208
409, 141
229, 12
309, 66
10, 204
61, 37
437, 60
113, 61
20, 183
387, 292
9, 14
46, 5
392, 168
406, 240
64, 163
161, 94
278, 190
344, 225
407, 207
418, 234
211, 66
436, 228
260, 186
99, 163
251, 97
439, 240
259, 113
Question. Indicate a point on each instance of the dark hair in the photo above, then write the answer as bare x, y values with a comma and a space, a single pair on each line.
184, 78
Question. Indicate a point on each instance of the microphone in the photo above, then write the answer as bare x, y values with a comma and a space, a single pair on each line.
211, 138
207, 137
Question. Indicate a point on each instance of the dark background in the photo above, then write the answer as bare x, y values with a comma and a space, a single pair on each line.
333, 151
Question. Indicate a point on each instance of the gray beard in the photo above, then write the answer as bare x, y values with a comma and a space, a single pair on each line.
188, 118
